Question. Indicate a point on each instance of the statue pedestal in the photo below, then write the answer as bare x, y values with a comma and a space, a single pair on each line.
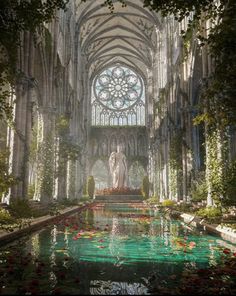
119, 198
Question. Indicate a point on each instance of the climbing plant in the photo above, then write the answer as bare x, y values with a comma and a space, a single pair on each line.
90, 187
45, 166
198, 187
229, 186
68, 150
16, 17
6, 178
175, 162
145, 187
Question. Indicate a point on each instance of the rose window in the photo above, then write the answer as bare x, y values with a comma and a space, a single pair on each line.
118, 97
118, 88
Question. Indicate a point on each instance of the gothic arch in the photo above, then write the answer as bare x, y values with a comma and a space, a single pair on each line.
100, 172
136, 174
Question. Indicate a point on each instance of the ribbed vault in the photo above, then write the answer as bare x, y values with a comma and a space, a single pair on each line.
128, 35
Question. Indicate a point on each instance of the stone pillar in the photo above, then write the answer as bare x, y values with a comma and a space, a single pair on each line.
21, 139
70, 188
45, 159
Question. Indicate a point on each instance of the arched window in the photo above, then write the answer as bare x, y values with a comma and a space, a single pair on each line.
118, 97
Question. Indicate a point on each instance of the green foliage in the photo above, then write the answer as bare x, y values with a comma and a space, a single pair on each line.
45, 166
175, 151
160, 105
168, 203
153, 200
18, 16
175, 162
215, 163
68, 202
68, 150
5, 217
6, 179
85, 198
84, 190
33, 145
20, 208
184, 207
62, 125
210, 213
31, 191
229, 198
145, 187
198, 188
90, 186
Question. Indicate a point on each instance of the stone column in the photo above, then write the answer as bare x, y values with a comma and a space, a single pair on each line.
45, 159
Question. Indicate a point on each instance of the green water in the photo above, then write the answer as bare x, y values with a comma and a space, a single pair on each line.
106, 250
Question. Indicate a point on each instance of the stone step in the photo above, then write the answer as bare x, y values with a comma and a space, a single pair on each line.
119, 198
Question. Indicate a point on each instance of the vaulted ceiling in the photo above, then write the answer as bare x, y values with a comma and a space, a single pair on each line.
128, 35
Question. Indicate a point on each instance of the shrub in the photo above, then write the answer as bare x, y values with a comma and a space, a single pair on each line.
68, 202
154, 199
184, 207
20, 208
90, 187
210, 213
31, 190
230, 185
168, 203
84, 198
198, 188
145, 187
5, 217
6, 179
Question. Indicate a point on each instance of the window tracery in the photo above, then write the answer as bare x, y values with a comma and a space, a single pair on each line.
118, 97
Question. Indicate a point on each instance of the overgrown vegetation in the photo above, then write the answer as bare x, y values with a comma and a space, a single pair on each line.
198, 188
90, 186
5, 217
20, 208
153, 200
175, 162
68, 150
168, 203
18, 16
229, 187
145, 187
211, 213
6, 179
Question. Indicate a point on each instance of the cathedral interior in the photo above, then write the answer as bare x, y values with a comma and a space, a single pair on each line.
117, 147
94, 80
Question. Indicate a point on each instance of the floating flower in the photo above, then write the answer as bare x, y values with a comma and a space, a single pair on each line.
226, 251
77, 280
62, 275
34, 282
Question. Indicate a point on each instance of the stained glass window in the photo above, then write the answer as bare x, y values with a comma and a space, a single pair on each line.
118, 97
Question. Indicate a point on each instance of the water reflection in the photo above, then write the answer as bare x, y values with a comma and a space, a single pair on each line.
116, 288
106, 250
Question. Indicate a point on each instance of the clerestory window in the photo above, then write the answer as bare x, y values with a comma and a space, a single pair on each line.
118, 97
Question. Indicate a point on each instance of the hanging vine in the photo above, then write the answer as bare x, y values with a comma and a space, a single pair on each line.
175, 162
68, 150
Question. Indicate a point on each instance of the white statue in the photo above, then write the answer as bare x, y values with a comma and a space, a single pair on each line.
118, 168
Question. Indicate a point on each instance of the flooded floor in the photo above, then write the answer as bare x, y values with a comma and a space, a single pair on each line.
113, 249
